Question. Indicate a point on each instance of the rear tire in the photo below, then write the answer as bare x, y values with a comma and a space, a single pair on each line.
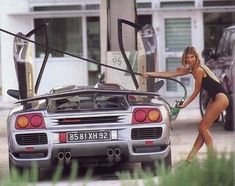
203, 102
229, 119
153, 166
14, 169
168, 161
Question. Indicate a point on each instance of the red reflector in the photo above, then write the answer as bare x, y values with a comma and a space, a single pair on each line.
29, 149
71, 120
149, 142
62, 137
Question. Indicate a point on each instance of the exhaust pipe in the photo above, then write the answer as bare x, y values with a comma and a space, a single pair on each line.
60, 156
67, 157
109, 153
117, 154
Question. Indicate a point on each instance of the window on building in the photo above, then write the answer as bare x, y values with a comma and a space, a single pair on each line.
144, 20
93, 40
93, 47
208, 3
57, 8
141, 5
64, 34
178, 33
177, 4
171, 65
214, 23
92, 7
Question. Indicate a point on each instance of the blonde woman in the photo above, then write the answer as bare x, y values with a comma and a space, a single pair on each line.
204, 79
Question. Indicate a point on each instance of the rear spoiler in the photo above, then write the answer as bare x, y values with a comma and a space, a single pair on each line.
87, 91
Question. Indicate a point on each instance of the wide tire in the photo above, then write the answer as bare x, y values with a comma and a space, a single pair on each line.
203, 102
13, 169
154, 167
168, 161
32, 173
229, 119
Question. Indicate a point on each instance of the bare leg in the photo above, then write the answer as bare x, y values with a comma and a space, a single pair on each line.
212, 113
206, 134
197, 145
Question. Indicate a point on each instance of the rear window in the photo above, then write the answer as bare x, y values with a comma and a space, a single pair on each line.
92, 102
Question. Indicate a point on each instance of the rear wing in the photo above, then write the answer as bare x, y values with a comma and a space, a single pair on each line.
87, 91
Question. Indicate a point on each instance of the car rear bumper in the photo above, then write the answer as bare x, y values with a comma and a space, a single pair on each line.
128, 150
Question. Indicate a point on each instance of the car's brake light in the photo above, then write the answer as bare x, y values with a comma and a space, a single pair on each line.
36, 120
30, 121
146, 115
139, 115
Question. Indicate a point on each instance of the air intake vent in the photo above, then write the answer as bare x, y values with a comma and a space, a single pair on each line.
146, 133
88, 120
32, 139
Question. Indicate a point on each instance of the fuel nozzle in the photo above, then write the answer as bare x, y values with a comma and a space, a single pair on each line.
174, 111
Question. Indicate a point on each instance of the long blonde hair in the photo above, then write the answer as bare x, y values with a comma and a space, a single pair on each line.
190, 50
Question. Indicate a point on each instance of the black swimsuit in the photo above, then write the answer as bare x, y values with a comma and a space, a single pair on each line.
212, 86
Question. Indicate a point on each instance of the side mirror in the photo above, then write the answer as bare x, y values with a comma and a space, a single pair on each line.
158, 85
207, 54
14, 93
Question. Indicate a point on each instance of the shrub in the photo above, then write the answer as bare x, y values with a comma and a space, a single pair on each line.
214, 170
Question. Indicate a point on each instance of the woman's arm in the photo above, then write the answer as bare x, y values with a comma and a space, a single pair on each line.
197, 87
179, 72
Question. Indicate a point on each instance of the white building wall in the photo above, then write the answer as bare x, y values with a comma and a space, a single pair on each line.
13, 24
15, 17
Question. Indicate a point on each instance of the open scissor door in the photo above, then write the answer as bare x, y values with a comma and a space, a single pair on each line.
149, 42
23, 66
22, 56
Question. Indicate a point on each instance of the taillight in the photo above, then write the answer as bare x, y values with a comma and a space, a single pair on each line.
139, 115
154, 115
30, 121
22, 121
36, 120
146, 115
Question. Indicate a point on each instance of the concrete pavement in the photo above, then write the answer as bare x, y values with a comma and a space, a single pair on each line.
185, 131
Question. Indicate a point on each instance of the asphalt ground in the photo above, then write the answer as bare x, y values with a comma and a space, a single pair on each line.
185, 131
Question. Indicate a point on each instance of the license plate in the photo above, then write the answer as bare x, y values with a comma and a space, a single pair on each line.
88, 136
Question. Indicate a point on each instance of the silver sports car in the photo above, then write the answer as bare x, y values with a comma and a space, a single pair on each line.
100, 125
